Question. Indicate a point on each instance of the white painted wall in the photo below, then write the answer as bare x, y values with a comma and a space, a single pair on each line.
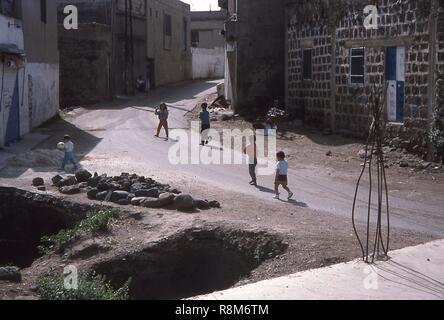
208, 63
9, 35
38, 85
41, 93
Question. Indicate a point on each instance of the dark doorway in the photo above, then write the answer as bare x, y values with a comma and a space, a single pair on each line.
150, 80
13, 126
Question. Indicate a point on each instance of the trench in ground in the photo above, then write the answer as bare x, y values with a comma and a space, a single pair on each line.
192, 262
26, 217
189, 263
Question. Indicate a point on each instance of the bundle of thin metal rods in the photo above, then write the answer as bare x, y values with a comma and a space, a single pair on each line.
374, 161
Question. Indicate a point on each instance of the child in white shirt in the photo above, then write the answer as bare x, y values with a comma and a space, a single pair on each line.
282, 175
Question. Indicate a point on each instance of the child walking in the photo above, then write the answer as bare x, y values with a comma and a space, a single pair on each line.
281, 175
163, 114
205, 123
69, 153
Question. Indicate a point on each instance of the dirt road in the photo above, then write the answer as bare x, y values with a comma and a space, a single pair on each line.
121, 136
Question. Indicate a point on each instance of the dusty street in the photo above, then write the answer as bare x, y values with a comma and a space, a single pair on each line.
119, 137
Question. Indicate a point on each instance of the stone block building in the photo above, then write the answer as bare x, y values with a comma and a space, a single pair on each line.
118, 41
29, 66
332, 61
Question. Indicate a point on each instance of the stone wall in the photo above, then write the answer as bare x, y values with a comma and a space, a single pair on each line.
331, 30
84, 64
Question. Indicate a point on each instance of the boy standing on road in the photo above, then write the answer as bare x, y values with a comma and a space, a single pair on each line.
205, 123
69, 153
163, 114
281, 175
251, 152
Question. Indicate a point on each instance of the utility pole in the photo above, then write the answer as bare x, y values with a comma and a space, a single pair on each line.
129, 48
125, 72
112, 77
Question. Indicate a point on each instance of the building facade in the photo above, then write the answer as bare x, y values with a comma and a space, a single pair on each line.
333, 61
206, 29
208, 44
29, 66
119, 41
255, 51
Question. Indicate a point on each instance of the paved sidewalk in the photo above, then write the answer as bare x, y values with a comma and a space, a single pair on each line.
412, 273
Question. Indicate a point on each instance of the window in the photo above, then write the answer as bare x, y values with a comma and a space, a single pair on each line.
357, 63
151, 12
167, 25
195, 38
307, 64
43, 15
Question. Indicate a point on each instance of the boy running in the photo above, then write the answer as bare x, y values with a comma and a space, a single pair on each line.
281, 175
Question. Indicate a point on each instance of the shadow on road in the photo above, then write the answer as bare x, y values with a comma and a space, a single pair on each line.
44, 156
182, 91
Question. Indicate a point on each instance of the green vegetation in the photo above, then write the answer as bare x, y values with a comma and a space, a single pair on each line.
90, 287
436, 134
98, 221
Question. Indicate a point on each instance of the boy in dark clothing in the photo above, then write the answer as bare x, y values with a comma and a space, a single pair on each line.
205, 123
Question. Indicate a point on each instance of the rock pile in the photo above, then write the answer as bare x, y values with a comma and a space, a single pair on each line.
129, 189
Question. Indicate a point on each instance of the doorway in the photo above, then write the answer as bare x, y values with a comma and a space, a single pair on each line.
150, 72
13, 121
395, 76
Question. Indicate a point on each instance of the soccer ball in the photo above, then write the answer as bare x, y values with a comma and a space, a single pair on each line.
61, 146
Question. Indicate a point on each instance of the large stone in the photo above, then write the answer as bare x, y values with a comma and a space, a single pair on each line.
83, 185
202, 204
94, 181
11, 274
151, 193
137, 201
116, 196
215, 204
151, 203
92, 194
101, 195
69, 190
167, 199
83, 175
68, 181
56, 179
37, 182
184, 202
